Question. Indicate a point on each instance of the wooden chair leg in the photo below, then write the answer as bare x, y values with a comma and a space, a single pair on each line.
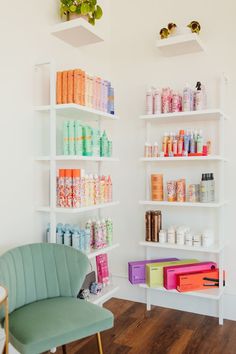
99, 343
6, 345
64, 349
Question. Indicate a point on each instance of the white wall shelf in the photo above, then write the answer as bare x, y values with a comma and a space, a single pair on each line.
76, 210
105, 295
180, 44
212, 249
218, 117
77, 33
78, 158
192, 116
76, 111
213, 294
183, 158
107, 249
184, 204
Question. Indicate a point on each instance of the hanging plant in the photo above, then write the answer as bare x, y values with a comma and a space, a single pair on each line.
82, 8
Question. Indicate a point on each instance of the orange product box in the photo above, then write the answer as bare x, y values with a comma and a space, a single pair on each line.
83, 75
65, 87
77, 86
59, 88
198, 281
70, 88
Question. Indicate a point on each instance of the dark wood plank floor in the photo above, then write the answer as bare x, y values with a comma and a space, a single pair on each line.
160, 331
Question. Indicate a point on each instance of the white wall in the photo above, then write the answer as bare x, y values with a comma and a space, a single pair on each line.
137, 64
131, 59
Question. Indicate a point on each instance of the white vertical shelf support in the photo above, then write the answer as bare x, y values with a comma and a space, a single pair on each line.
53, 172
221, 211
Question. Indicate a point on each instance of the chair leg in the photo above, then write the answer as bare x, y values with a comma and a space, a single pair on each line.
64, 349
99, 343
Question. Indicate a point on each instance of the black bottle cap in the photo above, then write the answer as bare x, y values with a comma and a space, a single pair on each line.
198, 86
212, 176
203, 177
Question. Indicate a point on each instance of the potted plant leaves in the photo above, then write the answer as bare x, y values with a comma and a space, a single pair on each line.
88, 9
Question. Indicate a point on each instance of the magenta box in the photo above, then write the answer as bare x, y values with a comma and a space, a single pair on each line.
137, 269
170, 272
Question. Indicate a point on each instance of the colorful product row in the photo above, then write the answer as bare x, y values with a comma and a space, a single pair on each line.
185, 143
76, 86
75, 189
95, 235
181, 235
166, 100
176, 189
83, 140
182, 275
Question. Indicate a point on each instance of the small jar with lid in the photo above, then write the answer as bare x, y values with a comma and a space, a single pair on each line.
189, 239
171, 235
162, 236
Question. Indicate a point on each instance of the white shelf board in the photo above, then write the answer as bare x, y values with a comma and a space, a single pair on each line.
184, 204
76, 111
77, 33
203, 115
77, 158
95, 253
180, 44
183, 158
212, 249
76, 210
105, 295
214, 294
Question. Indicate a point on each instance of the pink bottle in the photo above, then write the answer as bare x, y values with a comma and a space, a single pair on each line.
61, 189
109, 189
68, 189
76, 185
102, 269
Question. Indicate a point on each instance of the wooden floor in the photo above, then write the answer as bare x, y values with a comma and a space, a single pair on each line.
159, 331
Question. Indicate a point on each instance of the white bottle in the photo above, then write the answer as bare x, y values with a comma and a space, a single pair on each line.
157, 101
198, 97
149, 102
187, 98
155, 150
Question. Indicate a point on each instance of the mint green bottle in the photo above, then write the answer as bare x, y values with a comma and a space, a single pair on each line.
104, 145
71, 128
87, 139
78, 138
66, 138
96, 142
109, 149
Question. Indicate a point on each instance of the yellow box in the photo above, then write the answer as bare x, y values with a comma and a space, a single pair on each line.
154, 271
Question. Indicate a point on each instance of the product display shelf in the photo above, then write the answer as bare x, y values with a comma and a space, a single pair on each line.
76, 111
183, 158
180, 44
212, 249
214, 294
204, 115
71, 111
78, 158
106, 293
183, 204
209, 115
107, 249
76, 210
77, 32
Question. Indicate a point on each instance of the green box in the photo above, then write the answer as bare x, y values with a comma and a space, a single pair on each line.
154, 271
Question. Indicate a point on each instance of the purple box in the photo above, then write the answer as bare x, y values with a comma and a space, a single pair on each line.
137, 269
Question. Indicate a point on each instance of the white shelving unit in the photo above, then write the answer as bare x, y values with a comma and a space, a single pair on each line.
77, 33
72, 111
205, 116
180, 44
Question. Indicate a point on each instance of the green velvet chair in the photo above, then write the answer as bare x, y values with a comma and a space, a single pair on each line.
43, 281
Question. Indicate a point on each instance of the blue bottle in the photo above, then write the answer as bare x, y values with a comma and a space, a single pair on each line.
60, 234
67, 235
76, 237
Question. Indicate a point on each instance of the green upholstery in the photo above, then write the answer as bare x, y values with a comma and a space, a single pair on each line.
43, 281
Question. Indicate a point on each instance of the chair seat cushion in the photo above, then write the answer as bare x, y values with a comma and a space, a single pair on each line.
45, 324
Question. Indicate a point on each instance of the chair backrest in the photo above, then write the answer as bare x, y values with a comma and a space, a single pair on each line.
40, 271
